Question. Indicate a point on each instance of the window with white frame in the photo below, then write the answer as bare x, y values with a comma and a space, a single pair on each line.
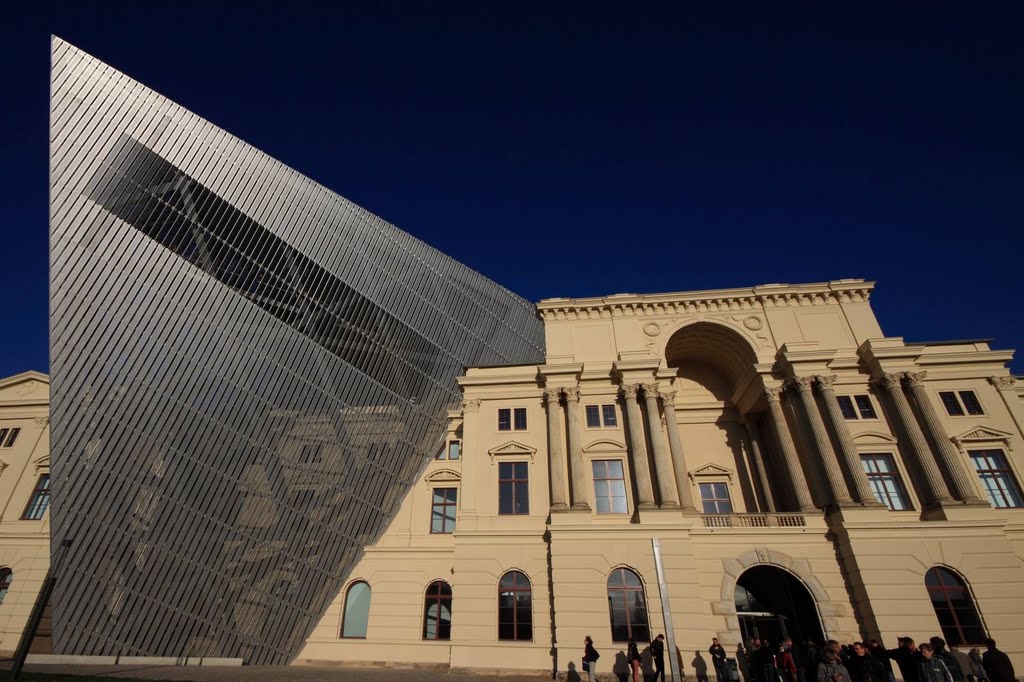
997, 478
8, 436
856, 407
609, 486
601, 416
715, 498
960, 403
885, 480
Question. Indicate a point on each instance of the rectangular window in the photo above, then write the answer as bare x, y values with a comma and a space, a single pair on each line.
885, 481
39, 501
513, 488
864, 406
509, 418
997, 478
600, 415
442, 513
8, 436
609, 486
454, 449
520, 418
856, 407
958, 403
504, 419
608, 412
971, 403
715, 498
846, 406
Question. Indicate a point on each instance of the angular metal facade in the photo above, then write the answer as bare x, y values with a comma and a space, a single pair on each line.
247, 373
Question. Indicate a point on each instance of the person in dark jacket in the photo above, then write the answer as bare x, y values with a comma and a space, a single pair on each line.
940, 652
864, 667
633, 654
717, 652
906, 658
997, 664
590, 657
762, 663
658, 654
878, 651
931, 668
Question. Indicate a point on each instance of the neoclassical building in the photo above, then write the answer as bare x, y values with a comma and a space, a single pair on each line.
25, 500
732, 463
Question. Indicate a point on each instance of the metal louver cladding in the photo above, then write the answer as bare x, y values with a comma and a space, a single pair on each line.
248, 372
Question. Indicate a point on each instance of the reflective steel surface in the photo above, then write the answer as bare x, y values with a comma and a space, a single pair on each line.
247, 373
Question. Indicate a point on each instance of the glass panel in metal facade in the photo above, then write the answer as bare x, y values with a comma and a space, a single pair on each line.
248, 371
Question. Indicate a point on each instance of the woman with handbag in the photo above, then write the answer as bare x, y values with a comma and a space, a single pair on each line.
590, 657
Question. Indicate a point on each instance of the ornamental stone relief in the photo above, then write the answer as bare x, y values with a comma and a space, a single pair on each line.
750, 326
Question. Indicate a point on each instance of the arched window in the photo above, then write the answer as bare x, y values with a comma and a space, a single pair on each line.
437, 611
357, 611
6, 576
515, 607
627, 606
954, 607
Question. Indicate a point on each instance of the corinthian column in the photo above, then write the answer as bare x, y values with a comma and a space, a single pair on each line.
556, 453
789, 455
840, 495
662, 461
750, 421
638, 447
835, 416
962, 488
579, 474
675, 444
935, 487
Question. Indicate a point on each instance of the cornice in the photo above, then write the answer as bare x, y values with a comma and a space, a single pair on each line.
714, 300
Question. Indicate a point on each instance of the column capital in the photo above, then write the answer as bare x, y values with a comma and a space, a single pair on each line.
471, 405
552, 395
668, 398
1002, 383
914, 379
773, 394
888, 381
802, 384
629, 391
572, 394
824, 382
650, 390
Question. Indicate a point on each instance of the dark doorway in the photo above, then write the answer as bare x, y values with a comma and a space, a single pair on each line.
772, 604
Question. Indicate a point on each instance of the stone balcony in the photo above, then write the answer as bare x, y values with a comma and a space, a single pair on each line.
753, 520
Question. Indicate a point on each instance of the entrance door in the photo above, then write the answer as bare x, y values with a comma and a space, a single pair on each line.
772, 604
769, 626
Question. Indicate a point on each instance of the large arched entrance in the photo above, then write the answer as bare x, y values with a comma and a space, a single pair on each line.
773, 604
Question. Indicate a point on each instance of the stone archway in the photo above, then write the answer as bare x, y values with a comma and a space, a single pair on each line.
827, 611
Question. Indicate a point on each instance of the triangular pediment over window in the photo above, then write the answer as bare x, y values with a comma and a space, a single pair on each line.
512, 449
711, 470
982, 434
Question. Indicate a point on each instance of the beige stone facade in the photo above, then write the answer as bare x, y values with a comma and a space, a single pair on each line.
771, 431
25, 521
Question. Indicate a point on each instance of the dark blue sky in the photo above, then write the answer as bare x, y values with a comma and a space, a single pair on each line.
587, 149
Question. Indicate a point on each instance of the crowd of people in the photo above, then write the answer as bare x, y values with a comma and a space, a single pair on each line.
932, 661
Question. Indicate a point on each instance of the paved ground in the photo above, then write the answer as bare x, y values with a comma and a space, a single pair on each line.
258, 673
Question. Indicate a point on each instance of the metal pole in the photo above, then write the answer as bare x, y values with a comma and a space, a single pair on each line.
666, 611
